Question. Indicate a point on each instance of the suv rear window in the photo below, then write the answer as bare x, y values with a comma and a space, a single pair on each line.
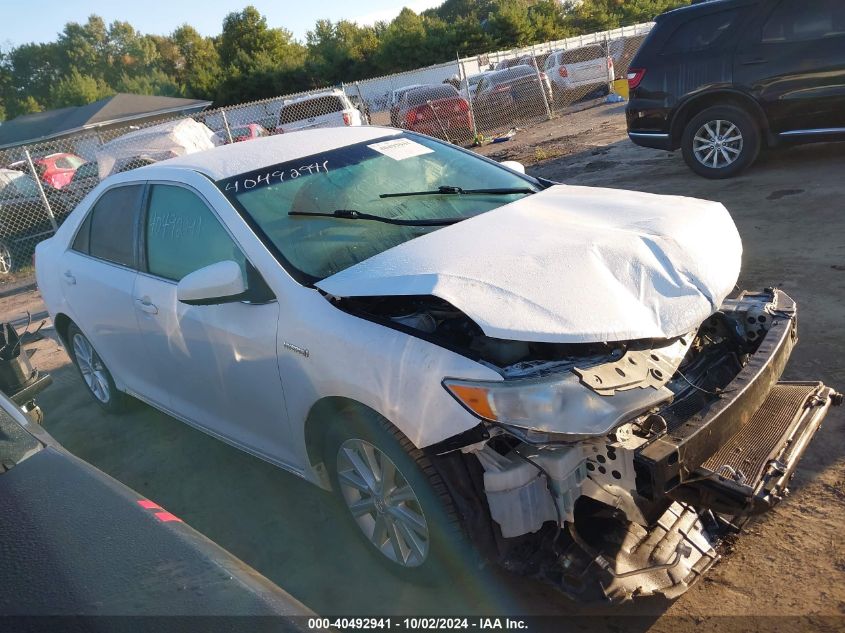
310, 108
700, 33
576, 55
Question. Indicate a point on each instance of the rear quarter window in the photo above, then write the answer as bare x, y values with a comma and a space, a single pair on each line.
702, 32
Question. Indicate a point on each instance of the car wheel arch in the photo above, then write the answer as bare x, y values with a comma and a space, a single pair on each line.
690, 108
319, 420
61, 322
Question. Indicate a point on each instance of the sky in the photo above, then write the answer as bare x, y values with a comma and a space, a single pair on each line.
20, 24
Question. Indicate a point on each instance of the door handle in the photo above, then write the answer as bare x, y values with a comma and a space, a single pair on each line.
146, 306
70, 280
751, 62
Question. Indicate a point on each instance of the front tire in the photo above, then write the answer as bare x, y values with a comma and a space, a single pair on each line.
720, 142
95, 374
394, 498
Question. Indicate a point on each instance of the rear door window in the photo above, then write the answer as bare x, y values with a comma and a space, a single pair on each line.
702, 33
807, 20
113, 225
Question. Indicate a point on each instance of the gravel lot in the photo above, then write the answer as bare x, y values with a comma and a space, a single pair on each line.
787, 572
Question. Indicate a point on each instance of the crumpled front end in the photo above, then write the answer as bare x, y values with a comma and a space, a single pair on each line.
642, 459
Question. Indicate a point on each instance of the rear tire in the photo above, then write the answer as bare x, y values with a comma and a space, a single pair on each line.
394, 498
95, 374
721, 141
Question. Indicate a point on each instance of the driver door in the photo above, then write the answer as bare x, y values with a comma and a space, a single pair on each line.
214, 366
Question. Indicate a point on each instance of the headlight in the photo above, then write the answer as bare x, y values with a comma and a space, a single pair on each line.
552, 408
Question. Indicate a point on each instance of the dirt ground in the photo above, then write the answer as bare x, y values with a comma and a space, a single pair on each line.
787, 573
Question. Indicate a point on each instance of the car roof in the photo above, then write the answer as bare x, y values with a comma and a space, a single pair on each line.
335, 92
508, 72
429, 88
238, 158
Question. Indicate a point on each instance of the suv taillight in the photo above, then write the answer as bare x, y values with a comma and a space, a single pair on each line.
562, 71
635, 76
347, 118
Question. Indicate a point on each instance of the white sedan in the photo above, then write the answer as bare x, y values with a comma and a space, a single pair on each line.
459, 351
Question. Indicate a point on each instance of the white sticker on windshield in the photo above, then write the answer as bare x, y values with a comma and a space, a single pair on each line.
400, 149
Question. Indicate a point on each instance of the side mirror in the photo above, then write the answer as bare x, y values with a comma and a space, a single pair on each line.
514, 165
222, 282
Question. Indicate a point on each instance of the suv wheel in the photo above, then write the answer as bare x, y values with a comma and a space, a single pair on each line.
720, 142
96, 376
393, 496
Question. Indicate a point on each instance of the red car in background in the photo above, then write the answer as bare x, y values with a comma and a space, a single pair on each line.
56, 170
242, 133
437, 110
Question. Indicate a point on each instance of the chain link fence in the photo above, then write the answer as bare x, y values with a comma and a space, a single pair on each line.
468, 101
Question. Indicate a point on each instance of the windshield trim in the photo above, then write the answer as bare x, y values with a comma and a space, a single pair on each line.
300, 276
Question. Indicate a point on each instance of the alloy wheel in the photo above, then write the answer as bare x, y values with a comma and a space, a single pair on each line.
717, 144
91, 367
5, 259
382, 503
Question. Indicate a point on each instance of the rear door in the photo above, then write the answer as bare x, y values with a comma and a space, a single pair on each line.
215, 366
98, 274
794, 62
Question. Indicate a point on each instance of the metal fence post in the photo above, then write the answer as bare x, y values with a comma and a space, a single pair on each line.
609, 63
364, 106
226, 125
463, 71
44, 199
542, 90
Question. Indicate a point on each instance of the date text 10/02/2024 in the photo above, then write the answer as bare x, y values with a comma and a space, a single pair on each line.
425, 623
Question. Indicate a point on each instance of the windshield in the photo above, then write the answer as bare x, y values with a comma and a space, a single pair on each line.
353, 178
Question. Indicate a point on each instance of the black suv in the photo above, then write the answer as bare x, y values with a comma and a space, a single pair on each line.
721, 78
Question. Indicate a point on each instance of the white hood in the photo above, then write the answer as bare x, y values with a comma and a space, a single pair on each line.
568, 265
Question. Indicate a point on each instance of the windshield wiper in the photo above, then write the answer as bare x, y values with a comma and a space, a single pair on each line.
351, 214
457, 191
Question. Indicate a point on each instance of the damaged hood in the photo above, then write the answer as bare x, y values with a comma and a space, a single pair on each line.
568, 265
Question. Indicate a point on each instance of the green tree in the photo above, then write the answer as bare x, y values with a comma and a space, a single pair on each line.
197, 65
339, 51
403, 43
77, 89
548, 21
154, 82
85, 46
509, 23
247, 43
